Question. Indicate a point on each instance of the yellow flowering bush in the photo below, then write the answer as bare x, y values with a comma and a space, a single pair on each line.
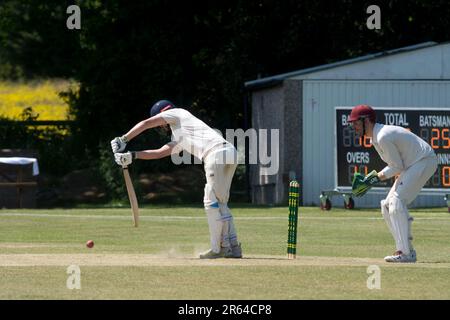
42, 97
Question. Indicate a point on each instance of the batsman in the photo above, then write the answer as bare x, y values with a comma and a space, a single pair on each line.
409, 158
190, 134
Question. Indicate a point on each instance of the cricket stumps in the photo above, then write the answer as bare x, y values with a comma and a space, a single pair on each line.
293, 219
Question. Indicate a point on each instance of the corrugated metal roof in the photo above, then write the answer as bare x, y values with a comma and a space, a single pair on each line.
274, 80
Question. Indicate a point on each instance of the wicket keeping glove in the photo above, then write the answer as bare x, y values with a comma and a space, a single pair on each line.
118, 144
362, 184
124, 159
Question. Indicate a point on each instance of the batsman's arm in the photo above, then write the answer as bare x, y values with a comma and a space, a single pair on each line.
165, 151
149, 123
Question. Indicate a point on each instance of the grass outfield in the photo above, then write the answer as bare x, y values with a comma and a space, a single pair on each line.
159, 259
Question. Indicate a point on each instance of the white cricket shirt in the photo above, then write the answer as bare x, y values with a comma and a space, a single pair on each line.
399, 148
191, 134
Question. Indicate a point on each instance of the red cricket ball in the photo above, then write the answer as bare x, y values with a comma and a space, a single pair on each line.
90, 244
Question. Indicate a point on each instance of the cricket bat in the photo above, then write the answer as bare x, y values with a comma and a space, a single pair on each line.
131, 196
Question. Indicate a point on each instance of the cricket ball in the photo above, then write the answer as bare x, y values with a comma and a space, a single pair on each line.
89, 243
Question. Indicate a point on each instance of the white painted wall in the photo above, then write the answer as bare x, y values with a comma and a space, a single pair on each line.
427, 63
320, 97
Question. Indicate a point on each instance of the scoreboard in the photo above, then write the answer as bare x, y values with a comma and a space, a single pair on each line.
356, 154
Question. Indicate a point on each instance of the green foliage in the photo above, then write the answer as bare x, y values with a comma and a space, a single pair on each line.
54, 148
129, 54
29, 115
111, 174
34, 40
239, 185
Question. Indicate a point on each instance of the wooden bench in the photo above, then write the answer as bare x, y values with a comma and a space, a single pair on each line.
18, 177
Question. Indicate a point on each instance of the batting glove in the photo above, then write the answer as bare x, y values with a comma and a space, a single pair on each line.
362, 184
124, 159
118, 144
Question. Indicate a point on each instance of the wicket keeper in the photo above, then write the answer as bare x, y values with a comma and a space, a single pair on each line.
190, 134
407, 156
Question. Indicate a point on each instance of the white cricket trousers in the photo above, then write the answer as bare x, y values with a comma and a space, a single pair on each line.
220, 166
405, 189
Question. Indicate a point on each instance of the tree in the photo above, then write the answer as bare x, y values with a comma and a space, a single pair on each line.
129, 54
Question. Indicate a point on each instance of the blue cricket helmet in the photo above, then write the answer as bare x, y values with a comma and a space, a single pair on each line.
160, 106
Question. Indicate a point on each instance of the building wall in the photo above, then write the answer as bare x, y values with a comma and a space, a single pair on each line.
319, 99
278, 108
293, 141
426, 63
267, 113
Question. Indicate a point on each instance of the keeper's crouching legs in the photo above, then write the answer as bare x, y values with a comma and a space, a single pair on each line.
401, 223
387, 218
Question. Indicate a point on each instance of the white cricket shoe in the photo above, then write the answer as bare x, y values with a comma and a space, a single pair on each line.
212, 255
398, 256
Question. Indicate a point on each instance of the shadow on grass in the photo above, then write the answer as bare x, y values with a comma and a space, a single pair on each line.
125, 204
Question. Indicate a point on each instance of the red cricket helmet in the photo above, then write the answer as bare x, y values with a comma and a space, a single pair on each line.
362, 111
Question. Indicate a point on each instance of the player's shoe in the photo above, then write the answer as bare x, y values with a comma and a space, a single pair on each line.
399, 257
234, 252
212, 255
413, 254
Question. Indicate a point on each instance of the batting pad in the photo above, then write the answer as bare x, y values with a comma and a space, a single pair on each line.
215, 224
400, 223
229, 235
387, 217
